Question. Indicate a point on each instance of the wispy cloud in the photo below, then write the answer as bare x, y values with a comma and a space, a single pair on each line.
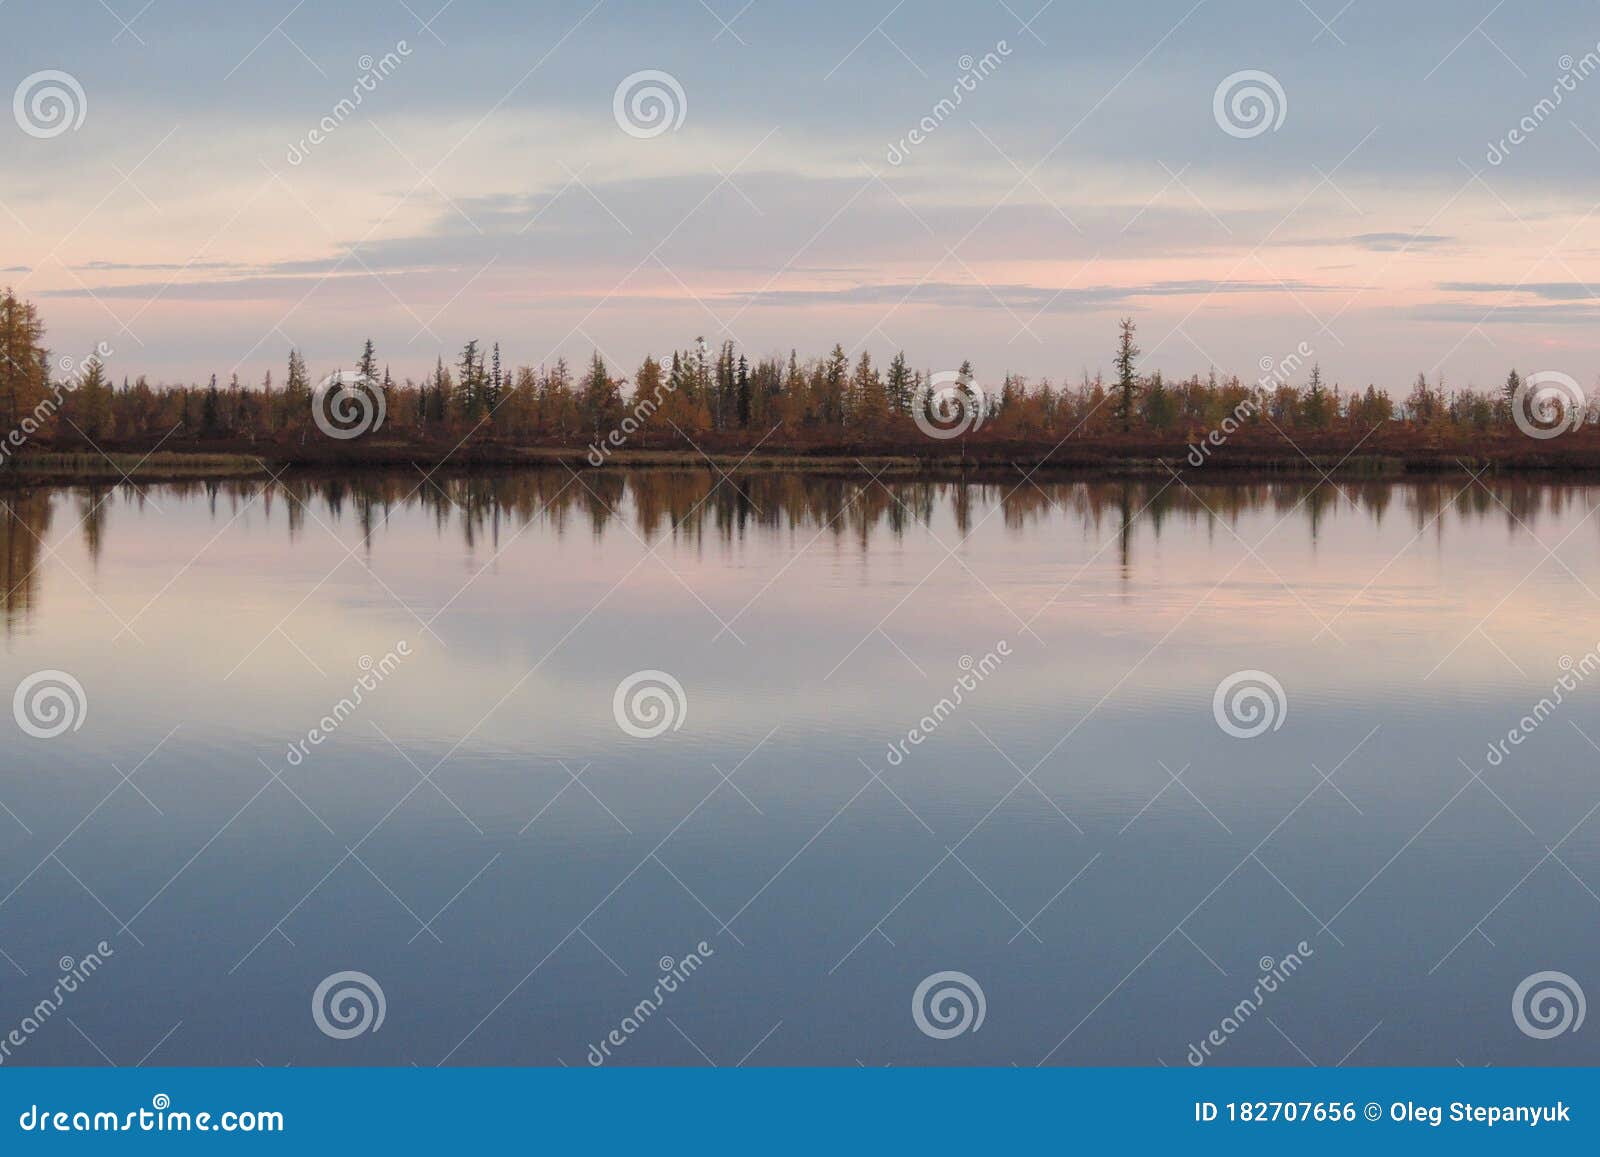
1088, 174
1032, 298
1461, 313
1550, 290
1390, 242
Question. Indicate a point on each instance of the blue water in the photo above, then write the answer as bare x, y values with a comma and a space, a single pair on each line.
1078, 836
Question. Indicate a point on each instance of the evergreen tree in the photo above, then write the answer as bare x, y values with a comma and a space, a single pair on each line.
1376, 406
1513, 384
742, 392
93, 401
1159, 407
241, 417
266, 410
835, 372
367, 365
723, 411
899, 385
469, 394
677, 380
794, 388
1314, 407
869, 404
1424, 405
601, 400
439, 404
649, 386
494, 385
211, 410
296, 393
701, 375
1127, 377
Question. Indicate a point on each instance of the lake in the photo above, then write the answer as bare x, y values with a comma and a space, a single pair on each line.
672, 768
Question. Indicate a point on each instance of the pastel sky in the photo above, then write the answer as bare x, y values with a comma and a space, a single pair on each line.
486, 188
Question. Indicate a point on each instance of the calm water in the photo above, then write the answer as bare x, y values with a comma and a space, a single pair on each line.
482, 838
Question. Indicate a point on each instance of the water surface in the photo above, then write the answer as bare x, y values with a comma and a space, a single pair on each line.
1078, 835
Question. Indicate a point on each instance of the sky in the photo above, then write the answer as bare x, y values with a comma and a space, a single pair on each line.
200, 201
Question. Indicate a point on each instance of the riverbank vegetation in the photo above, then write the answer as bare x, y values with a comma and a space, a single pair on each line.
60, 415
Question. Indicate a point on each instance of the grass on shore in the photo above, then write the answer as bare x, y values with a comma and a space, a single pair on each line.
234, 462
115, 467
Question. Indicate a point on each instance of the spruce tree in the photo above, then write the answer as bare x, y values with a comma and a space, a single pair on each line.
296, 393
469, 398
367, 365
899, 385
742, 392
1127, 376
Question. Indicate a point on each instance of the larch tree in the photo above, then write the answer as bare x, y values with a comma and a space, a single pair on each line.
24, 362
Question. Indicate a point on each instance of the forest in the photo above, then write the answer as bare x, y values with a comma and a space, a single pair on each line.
478, 407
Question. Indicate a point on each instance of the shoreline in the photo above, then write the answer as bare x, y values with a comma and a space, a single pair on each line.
973, 462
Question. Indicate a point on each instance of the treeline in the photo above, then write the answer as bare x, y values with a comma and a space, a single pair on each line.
703, 391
